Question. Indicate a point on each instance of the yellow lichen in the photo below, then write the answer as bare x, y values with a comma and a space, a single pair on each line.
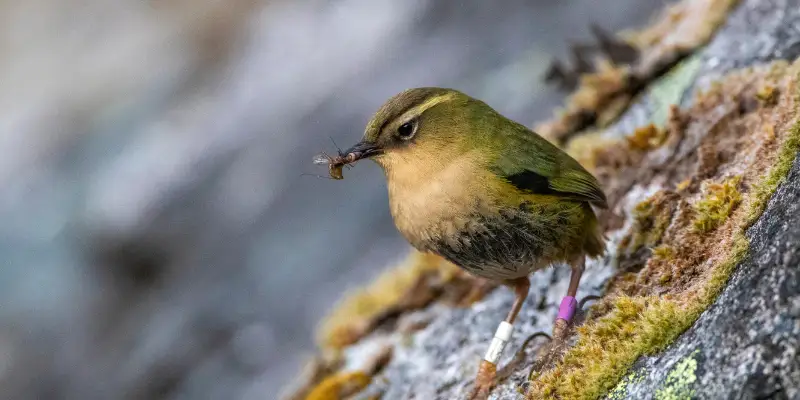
340, 386
719, 202
621, 390
680, 381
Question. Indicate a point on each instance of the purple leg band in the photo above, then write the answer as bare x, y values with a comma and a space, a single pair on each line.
567, 309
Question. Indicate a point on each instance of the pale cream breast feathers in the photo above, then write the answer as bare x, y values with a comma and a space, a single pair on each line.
432, 197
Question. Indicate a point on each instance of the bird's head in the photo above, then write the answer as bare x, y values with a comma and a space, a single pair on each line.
417, 125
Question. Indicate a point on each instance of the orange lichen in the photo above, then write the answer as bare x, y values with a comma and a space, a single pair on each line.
340, 386
646, 138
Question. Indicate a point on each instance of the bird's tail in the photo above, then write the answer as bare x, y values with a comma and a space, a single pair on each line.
594, 244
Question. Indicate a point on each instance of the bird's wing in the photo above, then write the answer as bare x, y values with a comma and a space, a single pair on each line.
534, 165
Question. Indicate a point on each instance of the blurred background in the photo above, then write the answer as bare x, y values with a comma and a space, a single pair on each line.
157, 239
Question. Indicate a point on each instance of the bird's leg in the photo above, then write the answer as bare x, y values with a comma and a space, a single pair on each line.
561, 326
488, 368
568, 304
521, 287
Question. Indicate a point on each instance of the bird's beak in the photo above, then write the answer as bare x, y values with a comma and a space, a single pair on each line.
360, 151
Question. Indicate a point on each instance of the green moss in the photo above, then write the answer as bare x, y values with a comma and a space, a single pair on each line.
767, 95
762, 191
679, 384
759, 196
651, 219
719, 202
642, 214
606, 348
643, 209
664, 252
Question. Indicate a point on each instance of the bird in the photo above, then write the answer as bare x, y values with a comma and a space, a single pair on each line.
487, 194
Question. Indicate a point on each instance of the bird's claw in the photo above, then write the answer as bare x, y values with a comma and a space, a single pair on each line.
484, 382
519, 356
558, 344
551, 352
488, 376
587, 299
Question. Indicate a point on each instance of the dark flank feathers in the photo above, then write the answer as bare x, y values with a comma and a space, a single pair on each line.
518, 240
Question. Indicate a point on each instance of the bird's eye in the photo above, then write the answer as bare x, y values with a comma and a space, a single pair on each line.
407, 130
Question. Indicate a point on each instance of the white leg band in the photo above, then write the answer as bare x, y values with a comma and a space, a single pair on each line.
501, 338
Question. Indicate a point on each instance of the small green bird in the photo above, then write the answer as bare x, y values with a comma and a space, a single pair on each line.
486, 193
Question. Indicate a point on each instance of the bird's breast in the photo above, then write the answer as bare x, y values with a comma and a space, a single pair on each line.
433, 202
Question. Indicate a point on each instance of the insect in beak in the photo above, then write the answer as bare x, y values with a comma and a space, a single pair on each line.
359, 151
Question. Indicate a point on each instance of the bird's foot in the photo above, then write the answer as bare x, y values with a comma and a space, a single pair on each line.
581, 313
551, 352
519, 356
484, 381
489, 376
569, 313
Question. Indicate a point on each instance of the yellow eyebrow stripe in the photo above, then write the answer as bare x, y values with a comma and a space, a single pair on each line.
417, 110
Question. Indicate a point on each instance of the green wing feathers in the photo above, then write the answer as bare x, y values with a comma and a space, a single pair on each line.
534, 165
580, 183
